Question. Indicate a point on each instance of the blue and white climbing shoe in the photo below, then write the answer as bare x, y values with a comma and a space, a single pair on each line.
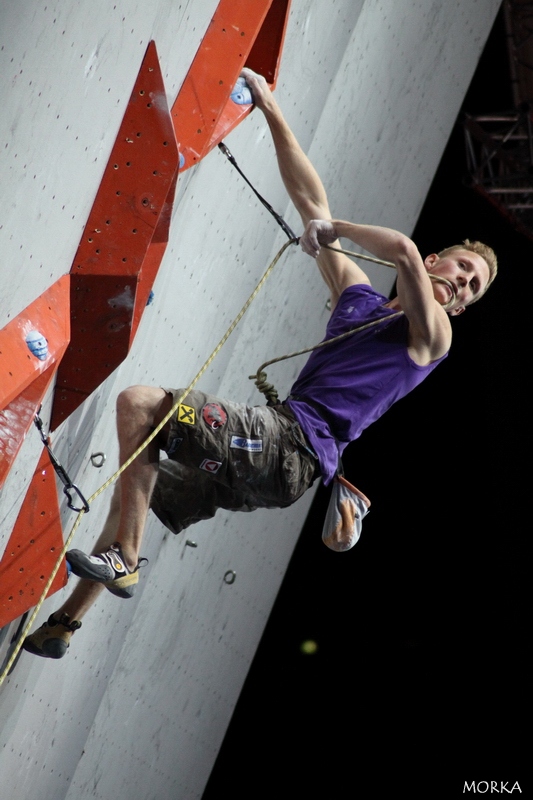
108, 568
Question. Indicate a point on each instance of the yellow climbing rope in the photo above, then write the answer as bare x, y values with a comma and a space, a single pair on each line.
360, 255
260, 379
139, 450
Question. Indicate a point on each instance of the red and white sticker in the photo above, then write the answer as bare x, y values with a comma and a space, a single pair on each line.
210, 466
214, 415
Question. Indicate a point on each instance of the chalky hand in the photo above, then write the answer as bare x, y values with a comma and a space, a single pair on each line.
317, 232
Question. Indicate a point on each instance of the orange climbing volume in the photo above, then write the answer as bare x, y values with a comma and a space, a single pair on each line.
31, 348
33, 548
123, 242
242, 33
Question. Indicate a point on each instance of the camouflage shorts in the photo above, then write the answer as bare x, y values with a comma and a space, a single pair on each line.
229, 455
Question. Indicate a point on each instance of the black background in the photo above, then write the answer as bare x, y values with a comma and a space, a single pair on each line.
419, 681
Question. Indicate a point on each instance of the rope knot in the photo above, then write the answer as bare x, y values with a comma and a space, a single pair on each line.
266, 388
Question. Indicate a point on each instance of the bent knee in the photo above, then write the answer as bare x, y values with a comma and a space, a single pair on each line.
144, 400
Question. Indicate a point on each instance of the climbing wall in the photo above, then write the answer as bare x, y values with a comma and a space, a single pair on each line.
371, 91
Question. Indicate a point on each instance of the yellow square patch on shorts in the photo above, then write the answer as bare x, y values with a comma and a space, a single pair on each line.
186, 414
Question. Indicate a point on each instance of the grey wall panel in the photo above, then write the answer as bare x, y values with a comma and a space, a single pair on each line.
70, 69
371, 89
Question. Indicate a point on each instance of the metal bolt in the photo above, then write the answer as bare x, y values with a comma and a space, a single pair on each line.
98, 459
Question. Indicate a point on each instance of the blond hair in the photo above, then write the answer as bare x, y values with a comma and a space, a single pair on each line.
483, 250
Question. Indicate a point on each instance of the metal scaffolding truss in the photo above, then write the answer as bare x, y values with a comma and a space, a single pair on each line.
518, 16
499, 146
499, 151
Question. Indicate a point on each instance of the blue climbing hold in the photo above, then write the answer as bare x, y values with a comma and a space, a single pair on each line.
37, 345
241, 93
150, 299
182, 160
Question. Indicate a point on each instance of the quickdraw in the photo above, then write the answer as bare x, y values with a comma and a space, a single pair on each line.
60, 470
279, 219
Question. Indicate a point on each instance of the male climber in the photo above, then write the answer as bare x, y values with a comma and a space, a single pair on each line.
228, 455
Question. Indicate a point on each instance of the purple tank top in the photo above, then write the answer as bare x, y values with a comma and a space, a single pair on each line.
351, 383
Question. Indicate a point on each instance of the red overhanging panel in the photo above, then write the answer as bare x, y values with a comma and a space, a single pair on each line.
104, 298
241, 33
33, 548
123, 243
31, 348
115, 266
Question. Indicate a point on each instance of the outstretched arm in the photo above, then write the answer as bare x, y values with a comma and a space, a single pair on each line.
303, 186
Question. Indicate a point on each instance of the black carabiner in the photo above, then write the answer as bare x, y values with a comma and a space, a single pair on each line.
85, 508
60, 470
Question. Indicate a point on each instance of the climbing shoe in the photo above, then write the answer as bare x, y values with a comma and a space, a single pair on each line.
108, 568
52, 639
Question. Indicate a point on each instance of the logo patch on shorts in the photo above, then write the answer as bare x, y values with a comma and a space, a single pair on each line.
210, 466
252, 445
174, 444
186, 414
214, 415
